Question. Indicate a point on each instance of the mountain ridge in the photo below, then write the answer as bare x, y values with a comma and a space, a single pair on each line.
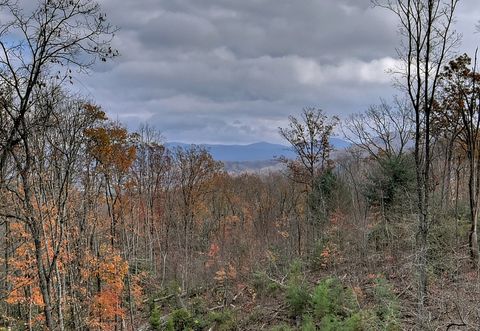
259, 151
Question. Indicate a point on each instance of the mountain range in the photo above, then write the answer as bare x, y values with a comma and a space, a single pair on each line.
261, 151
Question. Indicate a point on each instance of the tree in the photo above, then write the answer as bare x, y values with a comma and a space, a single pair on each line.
41, 48
152, 177
57, 147
196, 170
383, 134
112, 147
383, 131
426, 26
38, 51
461, 100
309, 138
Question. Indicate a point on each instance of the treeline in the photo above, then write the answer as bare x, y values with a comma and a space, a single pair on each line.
106, 229
107, 220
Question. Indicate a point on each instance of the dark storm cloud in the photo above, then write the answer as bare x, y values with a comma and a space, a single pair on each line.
253, 28
232, 71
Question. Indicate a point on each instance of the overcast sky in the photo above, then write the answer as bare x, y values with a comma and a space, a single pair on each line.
231, 71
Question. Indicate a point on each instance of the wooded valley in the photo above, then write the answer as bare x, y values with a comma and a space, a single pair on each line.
103, 228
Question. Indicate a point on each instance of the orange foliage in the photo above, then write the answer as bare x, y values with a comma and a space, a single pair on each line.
111, 146
136, 288
223, 275
111, 269
212, 255
23, 277
214, 249
104, 308
94, 111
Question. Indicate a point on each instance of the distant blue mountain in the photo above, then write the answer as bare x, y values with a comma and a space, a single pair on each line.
254, 152
339, 143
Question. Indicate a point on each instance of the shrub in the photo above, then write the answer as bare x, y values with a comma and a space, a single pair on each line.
297, 294
281, 327
308, 324
316, 258
387, 309
330, 297
335, 323
263, 285
223, 321
181, 319
154, 319
298, 298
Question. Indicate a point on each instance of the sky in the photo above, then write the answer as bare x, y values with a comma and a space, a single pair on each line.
232, 71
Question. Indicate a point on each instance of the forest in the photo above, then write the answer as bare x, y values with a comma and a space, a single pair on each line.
103, 228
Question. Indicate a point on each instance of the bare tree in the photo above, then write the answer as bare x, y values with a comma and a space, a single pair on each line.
43, 47
309, 138
426, 26
382, 137
38, 51
461, 101
195, 170
383, 130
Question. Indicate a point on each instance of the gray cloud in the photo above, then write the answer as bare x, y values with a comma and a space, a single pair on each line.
232, 71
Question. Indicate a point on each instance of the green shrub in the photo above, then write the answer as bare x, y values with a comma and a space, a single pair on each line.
315, 259
223, 321
330, 297
298, 298
297, 294
335, 323
308, 324
263, 285
281, 327
353, 323
197, 307
154, 319
185, 320
321, 300
320, 199
387, 309
330, 323
334, 307
181, 320
389, 181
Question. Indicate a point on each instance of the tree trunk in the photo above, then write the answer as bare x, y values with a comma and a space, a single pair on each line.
473, 241
43, 281
473, 199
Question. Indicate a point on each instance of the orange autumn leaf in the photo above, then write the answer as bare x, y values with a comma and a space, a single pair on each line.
214, 249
